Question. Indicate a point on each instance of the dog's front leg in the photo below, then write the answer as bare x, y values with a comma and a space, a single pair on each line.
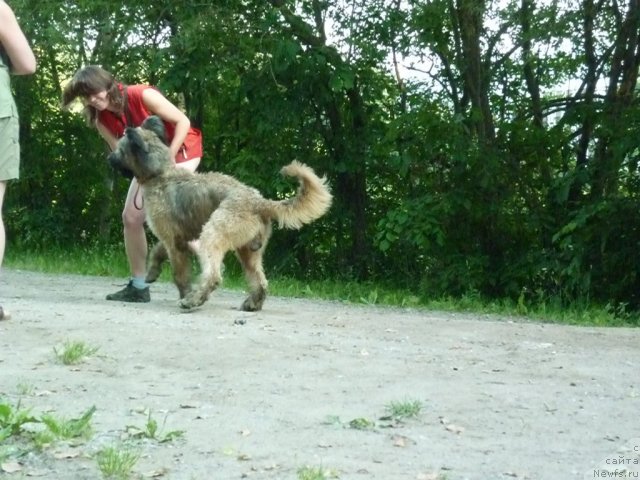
179, 257
211, 258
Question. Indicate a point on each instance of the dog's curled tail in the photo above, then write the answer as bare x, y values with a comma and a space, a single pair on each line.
311, 201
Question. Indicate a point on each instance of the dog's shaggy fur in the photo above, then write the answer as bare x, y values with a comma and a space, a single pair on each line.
218, 210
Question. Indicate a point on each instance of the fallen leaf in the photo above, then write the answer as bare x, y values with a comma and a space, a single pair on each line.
11, 467
401, 441
37, 473
160, 472
61, 454
450, 426
454, 428
428, 476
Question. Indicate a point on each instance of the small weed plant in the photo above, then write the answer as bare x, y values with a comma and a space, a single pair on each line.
24, 389
151, 431
74, 352
315, 473
67, 429
117, 462
13, 419
404, 409
396, 412
362, 423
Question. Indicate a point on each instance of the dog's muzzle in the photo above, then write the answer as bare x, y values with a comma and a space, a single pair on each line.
116, 164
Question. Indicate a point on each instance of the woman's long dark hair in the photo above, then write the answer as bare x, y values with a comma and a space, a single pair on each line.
88, 81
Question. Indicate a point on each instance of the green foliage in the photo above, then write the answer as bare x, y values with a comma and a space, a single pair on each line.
152, 431
536, 304
117, 462
315, 473
13, 418
74, 352
361, 423
400, 410
67, 429
486, 175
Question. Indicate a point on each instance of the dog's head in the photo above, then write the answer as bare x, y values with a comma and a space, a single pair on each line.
142, 152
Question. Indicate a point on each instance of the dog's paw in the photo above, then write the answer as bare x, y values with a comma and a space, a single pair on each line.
186, 307
250, 306
191, 301
153, 274
154, 271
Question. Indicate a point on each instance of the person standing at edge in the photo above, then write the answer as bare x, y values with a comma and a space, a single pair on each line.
110, 106
16, 57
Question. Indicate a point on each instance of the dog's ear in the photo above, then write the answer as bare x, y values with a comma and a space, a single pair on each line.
156, 125
137, 144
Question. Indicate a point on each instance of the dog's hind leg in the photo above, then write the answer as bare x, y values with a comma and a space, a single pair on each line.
251, 261
229, 226
157, 257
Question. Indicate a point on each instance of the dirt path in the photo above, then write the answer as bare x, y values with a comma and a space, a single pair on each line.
500, 399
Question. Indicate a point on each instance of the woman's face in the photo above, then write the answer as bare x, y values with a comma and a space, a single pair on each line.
98, 100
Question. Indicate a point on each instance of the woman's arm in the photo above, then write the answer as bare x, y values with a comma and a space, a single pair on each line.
107, 135
158, 105
23, 61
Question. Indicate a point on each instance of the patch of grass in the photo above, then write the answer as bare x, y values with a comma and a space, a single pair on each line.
67, 429
315, 473
24, 389
13, 419
404, 409
86, 260
74, 352
117, 462
153, 432
111, 261
362, 423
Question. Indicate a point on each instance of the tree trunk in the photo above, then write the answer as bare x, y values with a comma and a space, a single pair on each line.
347, 121
622, 80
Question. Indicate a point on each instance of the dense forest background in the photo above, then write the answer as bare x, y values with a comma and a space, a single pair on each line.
473, 146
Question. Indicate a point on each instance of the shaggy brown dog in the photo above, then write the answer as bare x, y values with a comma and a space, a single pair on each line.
223, 213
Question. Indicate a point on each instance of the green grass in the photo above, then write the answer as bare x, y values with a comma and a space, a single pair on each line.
153, 431
13, 418
14, 421
315, 473
404, 409
24, 389
73, 352
117, 462
111, 262
67, 429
